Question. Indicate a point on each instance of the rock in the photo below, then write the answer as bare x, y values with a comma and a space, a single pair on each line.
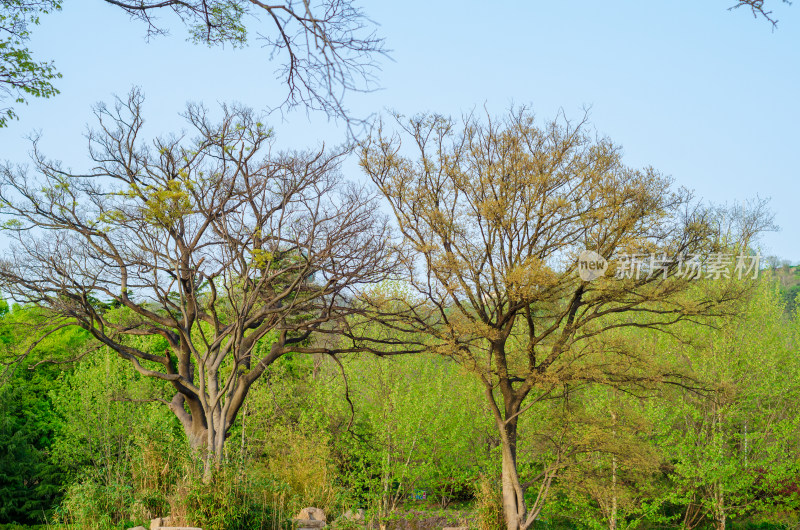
161, 523
312, 514
310, 518
138, 528
350, 518
309, 524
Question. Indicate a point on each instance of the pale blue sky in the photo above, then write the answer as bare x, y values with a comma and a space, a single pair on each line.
705, 95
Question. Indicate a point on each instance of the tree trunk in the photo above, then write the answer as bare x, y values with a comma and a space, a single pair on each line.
612, 520
205, 430
211, 451
719, 494
720, 516
513, 509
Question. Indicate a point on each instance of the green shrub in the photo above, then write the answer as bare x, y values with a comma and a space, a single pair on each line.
253, 501
489, 504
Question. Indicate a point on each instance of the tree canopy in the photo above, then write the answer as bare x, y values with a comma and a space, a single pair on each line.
229, 254
20, 74
496, 213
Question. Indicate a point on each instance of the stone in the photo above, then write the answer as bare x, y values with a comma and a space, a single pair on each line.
311, 519
309, 524
161, 523
138, 528
312, 514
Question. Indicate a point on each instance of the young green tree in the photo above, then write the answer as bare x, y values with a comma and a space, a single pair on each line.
495, 214
102, 437
613, 483
209, 244
417, 425
731, 447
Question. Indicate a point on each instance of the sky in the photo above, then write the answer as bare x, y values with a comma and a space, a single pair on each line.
703, 94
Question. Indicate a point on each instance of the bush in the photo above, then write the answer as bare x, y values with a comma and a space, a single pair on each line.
253, 501
489, 504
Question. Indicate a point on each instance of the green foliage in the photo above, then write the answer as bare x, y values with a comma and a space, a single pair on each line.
30, 483
610, 464
121, 456
285, 432
100, 424
223, 25
20, 74
128, 462
792, 297
418, 424
787, 278
731, 447
233, 501
720, 447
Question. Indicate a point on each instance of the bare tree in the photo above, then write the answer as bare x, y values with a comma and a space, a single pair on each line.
496, 213
327, 49
758, 9
230, 254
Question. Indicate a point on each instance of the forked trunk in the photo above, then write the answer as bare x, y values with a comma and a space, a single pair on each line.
208, 445
518, 515
206, 433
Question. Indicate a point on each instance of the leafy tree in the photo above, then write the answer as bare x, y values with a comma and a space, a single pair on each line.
612, 484
31, 480
416, 426
732, 447
208, 245
494, 214
30, 483
102, 437
20, 74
